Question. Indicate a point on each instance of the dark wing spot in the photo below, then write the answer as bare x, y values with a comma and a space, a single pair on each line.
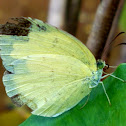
55, 42
59, 94
20, 27
16, 100
7, 72
45, 99
41, 27
93, 72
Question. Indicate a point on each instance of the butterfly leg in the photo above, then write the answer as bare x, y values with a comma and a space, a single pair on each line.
112, 76
105, 92
86, 101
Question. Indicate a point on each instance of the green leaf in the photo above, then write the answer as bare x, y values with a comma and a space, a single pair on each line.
97, 111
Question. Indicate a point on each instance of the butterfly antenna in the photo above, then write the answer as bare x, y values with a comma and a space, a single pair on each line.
105, 49
117, 36
123, 43
86, 101
105, 93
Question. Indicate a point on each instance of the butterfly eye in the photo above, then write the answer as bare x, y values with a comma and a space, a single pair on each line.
100, 64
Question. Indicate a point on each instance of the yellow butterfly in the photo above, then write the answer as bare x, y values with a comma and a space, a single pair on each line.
46, 68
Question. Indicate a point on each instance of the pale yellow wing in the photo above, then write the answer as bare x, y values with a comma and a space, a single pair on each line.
32, 36
49, 84
46, 67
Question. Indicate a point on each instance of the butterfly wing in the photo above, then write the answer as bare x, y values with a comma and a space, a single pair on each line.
35, 37
49, 84
43, 62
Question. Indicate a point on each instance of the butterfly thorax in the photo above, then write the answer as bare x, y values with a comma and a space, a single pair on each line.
97, 75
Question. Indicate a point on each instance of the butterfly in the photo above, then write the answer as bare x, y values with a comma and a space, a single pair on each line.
47, 69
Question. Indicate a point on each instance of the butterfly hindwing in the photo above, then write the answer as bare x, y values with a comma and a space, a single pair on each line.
47, 83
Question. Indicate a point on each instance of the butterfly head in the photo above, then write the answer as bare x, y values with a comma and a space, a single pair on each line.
100, 64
